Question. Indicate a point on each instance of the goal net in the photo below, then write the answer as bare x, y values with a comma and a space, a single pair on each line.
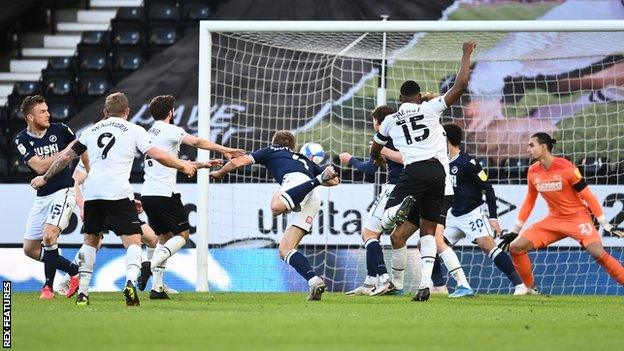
323, 85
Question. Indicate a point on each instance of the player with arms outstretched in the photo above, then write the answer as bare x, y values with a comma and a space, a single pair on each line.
568, 198
159, 196
38, 146
377, 279
298, 177
111, 144
417, 133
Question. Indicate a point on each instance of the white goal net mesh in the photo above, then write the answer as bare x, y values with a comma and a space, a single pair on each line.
323, 86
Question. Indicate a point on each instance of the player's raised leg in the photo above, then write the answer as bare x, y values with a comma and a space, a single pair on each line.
290, 199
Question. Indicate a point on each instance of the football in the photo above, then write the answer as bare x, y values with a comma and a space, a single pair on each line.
313, 151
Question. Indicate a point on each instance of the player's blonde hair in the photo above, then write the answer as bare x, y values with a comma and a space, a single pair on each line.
30, 102
116, 105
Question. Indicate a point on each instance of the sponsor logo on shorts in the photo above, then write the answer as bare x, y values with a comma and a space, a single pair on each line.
309, 219
549, 186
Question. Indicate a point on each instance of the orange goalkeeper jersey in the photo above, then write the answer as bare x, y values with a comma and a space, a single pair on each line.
556, 185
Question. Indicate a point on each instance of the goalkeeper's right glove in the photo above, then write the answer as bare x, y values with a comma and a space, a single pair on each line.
617, 232
506, 239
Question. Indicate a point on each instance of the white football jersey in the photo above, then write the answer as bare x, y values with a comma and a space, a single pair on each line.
111, 144
161, 180
443, 157
415, 130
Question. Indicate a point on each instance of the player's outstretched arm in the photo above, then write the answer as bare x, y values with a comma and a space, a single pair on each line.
204, 144
463, 76
594, 206
232, 165
209, 163
366, 167
63, 159
168, 160
392, 155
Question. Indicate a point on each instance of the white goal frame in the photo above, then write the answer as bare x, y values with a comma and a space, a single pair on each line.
205, 67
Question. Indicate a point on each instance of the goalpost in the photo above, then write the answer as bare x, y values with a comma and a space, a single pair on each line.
321, 79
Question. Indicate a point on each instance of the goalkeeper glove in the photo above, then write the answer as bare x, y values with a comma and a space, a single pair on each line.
506, 239
616, 232
608, 227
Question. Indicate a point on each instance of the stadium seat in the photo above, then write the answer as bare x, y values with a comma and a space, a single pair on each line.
161, 11
20, 91
58, 86
62, 109
125, 62
191, 13
94, 61
61, 64
90, 87
94, 39
129, 16
127, 36
159, 38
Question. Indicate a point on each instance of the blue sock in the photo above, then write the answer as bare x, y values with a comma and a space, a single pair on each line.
66, 266
503, 262
300, 264
436, 275
374, 257
293, 196
50, 258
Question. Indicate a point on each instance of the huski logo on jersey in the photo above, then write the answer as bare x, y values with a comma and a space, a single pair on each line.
549, 186
47, 151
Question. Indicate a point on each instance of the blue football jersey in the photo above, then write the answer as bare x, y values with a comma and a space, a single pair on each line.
280, 160
369, 167
469, 184
54, 140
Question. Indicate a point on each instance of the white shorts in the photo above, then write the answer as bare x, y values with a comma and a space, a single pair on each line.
309, 206
373, 220
54, 209
472, 225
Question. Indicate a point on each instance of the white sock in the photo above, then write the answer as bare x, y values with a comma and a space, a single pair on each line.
133, 263
388, 217
157, 278
451, 262
428, 253
158, 273
384, 278
313, 280
171, 246
399, 263
370, 280
86, 262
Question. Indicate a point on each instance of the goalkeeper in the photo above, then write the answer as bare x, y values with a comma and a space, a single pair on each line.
568, 197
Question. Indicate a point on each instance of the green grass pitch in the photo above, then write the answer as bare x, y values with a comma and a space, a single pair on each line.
286, 321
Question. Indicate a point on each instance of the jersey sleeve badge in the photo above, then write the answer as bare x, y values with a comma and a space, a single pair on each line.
577, 173
483, 176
